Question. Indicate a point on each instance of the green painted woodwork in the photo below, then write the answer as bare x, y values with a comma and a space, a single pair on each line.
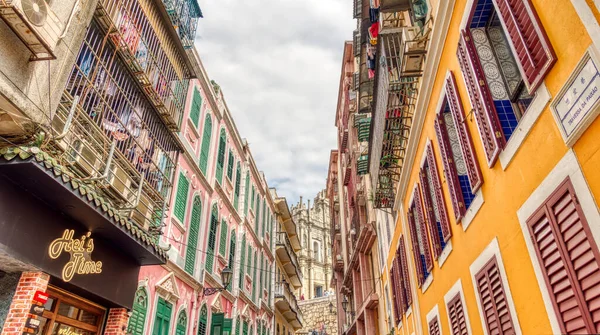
181, 324
204, 151
236, 194
162, 319
231, 264
202, 321
223, 240
196, 106
242, 261
221, 156
194, 230
183, 188
247, 193
212, 238
137, 320
230, 163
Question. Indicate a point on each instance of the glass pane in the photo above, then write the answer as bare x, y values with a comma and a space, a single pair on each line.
88, 317
49, 305
67, 310
60, 329
43, 325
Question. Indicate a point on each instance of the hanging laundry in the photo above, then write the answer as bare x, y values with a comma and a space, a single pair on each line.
371, 73
374, 32
371, 56
374, 14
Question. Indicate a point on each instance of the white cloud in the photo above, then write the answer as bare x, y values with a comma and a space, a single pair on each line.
278, 63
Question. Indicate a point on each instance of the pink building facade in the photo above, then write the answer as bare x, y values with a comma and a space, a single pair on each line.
221, 215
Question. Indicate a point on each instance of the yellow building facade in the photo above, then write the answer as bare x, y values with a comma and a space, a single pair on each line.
497, 222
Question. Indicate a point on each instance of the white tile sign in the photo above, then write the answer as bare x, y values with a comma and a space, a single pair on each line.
578, 98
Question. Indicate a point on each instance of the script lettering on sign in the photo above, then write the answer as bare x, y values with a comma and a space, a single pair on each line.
80, 250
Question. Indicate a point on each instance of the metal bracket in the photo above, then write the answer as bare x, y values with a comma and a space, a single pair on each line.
69, 119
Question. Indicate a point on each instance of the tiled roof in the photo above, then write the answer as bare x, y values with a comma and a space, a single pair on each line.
88, 192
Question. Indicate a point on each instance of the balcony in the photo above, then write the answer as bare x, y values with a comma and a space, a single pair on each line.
288, 258
152, 59
396, 90
184, 16
286, 304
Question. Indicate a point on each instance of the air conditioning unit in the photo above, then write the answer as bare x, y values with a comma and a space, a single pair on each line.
80, 154
142, 214
35, 24
119, 182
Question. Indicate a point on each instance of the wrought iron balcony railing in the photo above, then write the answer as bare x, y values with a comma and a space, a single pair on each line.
136, 33
184, 16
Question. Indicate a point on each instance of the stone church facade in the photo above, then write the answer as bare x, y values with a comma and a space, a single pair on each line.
315, 257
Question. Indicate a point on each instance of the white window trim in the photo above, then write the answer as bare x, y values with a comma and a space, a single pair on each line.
472, 211
452, 292
427, 282
568, 166
445, 253
588, 19
434, 313
539, 103
493, 249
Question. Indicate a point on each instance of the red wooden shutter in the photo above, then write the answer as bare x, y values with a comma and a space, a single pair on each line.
498, 319
458, 323
439, 197
532, 48
415, 246
569, 259
481, 98
434, 326
458, 202
429, 211
404, 274
393, 284
423, 229
399, 289
466, 143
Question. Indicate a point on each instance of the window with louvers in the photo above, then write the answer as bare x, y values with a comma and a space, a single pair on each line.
223, 240
212, 238
247, 193
202, 321
221, 156
196, 104
492, 296
230, 164
434, 326
419, 238
192, 242
183, 187
404, 276
137, 319
231, 263
236, 194
569, 260
181, 323
456, 313
206, 134
242, 262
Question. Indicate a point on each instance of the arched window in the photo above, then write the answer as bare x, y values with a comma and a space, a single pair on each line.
247, 193
257, 213
195, 110
205, 144
237, 186
212, 238
202, 321
238, 324
245, 331
231, 257
137, 320
223, 240
183, 187
243, 260
221, 156
181, 323
192, 243
230, 164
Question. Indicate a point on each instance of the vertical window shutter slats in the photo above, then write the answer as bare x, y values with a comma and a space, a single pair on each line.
434, 326
231, 264
242, 262
405, 277
212, 239
439, 197
394, 280
496, 312
481, 98
531, 45
423, 229
458, 202
466, 143
195, 110
430, 215
415, 247
236, 196
569, 258
458, 323
399, 296
246, 193
183, 187
192, 242
230, 163
223, 240
221, 156
206, 134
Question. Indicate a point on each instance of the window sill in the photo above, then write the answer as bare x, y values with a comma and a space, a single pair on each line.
193, 127
408, 311
445, 253
178, 224
473, 210
427, 283
540, 101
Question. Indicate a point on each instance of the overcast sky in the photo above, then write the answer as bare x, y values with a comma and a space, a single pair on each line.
278, 64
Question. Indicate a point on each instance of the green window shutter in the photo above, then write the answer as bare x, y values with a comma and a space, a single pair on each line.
257, 213
194, 229
212, 238
251, 333
237, 186
262, 220
247, 193
196, 105
252, 200
254, 286
261, 283
183, 187
231, 264
138, 313
221, 156
245, 332
204, 151
202, 321
230, 164
223, 241
242, 261
249, 268
181, 324
163, 317
238, 323
216, 323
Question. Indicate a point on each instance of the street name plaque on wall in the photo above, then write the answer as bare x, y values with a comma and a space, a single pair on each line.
577, 103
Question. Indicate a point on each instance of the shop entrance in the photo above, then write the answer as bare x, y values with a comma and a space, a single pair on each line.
67, 314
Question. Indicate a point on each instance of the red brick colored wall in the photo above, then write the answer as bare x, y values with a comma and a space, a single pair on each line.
117, 322
29, 283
